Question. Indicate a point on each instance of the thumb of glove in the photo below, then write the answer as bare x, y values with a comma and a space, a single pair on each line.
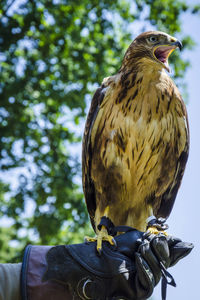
179, 251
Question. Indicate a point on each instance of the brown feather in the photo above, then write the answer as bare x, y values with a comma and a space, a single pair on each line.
88, 186
136, 141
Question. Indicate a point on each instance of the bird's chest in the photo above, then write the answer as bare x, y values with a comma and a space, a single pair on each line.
142, 119
134, 134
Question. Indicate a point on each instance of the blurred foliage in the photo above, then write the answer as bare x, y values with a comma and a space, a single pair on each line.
52, 56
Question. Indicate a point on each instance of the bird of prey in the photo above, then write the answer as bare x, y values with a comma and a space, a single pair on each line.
136, 139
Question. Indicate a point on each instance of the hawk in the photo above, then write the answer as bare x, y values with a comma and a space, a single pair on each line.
136, 139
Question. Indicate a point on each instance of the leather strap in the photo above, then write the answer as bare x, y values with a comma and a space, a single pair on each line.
167, 278
111, 228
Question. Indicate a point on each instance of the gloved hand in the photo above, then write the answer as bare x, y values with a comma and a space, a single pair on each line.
129, 271
161, 252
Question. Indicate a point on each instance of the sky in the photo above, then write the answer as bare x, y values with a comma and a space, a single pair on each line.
184, 219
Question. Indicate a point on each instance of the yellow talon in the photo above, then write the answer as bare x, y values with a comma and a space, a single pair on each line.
102, 236
154, 230
90, 239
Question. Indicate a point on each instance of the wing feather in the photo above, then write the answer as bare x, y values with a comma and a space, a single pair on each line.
88, 185
169, 196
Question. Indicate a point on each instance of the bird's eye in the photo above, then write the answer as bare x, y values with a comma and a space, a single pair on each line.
153, 39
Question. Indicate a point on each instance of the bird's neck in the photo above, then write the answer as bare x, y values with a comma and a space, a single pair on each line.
144, 66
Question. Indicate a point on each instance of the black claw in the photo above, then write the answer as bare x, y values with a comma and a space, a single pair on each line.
114, 243
86, 241
99, 251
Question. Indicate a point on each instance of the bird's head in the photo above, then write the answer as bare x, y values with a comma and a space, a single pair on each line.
154, 46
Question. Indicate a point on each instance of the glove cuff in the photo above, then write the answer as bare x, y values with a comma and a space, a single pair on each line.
33, 287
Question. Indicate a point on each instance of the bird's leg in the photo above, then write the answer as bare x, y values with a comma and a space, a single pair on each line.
102, 234
156, 226
103, 227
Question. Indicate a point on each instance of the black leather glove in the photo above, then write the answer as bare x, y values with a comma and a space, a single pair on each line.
129, 271
161, 252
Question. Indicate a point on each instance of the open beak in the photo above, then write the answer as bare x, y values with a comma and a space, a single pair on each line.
162, 52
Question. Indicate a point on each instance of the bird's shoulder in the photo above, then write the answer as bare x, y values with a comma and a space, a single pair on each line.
98, 100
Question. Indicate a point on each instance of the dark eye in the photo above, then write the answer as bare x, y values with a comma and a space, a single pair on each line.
153, 39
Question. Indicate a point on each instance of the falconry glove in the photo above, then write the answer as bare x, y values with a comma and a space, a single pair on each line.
129, 271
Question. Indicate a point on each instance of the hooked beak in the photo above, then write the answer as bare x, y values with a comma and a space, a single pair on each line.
162, 52
177, 44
